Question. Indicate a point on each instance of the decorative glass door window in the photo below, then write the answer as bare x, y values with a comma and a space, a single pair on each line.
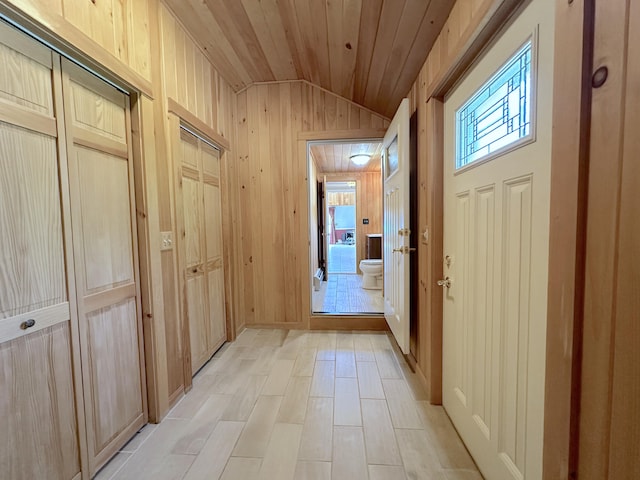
499, 114
391, 158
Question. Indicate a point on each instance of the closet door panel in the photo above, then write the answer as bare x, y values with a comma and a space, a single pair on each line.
192, 204
32, 266
196, 313
102, 112
217, 324
106, 219
37, 410
25, 76
213, 235
115, 385
213, 221
105, 257
190, 154
210, 160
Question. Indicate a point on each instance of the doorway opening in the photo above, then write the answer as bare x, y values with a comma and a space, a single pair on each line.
345, 224
340, 225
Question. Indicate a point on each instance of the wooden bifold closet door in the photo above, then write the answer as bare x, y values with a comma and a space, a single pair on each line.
106, 263
40, 406
72, 385
200, 245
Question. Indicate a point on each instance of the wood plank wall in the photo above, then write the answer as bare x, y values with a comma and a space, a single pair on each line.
191, 80
368, 205
271, 237
336, 199
116, 33
465, 25
609, 427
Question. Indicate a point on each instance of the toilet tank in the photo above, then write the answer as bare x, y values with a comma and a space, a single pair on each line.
374, 246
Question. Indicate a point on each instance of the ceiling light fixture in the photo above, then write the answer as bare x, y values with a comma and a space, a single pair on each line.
360, 159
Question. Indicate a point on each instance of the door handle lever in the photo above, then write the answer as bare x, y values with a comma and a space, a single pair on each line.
404, 250
445, 283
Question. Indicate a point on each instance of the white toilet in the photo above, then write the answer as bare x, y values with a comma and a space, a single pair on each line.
371, 274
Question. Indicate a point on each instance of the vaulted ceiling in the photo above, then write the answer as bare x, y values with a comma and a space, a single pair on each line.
368, 51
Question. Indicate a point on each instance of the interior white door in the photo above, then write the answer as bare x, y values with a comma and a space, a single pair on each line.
395, 169
496, 241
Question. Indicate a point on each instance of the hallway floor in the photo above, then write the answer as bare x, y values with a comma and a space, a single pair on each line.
280, 405
343, 293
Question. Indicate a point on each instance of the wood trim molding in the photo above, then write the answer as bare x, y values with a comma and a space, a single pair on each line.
145, 177
72, 43
569, 156
489, 21
194, 122
432, 307
360, 134
348, 322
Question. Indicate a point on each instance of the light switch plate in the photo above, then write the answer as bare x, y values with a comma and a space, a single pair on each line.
425, 236
166, 240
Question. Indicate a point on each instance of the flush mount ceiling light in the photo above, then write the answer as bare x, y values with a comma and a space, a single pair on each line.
360, 159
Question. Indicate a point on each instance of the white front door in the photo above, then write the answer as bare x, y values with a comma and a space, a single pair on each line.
395, 169
496, 241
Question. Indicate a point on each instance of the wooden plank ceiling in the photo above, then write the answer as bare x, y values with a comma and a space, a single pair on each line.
368, 51
334, 157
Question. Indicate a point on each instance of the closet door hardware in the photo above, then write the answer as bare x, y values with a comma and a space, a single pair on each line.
27, 324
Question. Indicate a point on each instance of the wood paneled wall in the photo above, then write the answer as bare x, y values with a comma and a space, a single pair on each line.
470, 24
368, 205
271, 237
191, 80
337, 199
114, 33
609, 427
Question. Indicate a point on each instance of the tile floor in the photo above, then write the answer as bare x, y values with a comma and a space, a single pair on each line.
295, 405
343, 293
342, 259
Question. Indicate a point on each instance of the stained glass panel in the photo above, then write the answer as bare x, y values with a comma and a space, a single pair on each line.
498, 114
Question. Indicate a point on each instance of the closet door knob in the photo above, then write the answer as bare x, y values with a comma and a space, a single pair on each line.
27, 324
